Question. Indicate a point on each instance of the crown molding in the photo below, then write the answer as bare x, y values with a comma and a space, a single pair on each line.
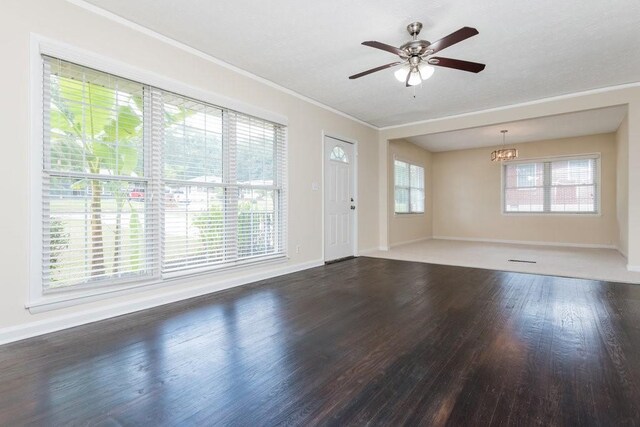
519, 105
196, 52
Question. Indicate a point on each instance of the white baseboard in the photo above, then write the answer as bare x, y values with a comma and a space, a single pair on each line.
528, 242
407, 242
367, 251
633, 267
622, 252
40, 327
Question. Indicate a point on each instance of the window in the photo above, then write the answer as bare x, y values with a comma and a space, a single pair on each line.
409, 187
528, 175
552, 186
140, 184
576, 168
338, 155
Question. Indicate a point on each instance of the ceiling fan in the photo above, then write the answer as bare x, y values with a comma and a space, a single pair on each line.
415, 56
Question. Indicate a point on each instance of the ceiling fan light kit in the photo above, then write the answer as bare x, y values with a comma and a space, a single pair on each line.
415, 56
419, 76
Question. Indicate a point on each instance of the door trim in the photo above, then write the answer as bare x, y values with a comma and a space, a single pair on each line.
355, 189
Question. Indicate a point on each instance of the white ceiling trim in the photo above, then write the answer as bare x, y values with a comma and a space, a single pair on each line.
561, 126
522, 104
175, 43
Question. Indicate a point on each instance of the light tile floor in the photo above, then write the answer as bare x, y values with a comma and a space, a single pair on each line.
597, 264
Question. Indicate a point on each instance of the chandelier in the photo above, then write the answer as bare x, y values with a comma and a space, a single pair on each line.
504, 153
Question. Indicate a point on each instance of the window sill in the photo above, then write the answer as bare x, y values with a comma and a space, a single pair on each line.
68, 298
553, 214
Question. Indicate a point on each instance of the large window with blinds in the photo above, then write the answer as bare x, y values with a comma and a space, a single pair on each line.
140, 184
555, 186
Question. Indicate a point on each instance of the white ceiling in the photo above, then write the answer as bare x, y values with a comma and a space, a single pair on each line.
533, 49
590, 122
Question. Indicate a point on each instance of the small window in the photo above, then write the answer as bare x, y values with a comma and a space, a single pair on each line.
339, 155
409, 188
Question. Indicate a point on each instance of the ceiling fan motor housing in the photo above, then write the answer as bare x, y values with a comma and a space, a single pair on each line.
415, 47
414, 28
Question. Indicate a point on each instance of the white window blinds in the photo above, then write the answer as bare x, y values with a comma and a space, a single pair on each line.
224, 182
564, 185
140, 183
194, 205
95, 159
409, 187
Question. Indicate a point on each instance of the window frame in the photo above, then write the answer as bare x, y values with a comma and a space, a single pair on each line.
410, 187
40, 46
597, 171
146, 179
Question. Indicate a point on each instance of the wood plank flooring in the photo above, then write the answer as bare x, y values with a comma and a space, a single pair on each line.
364, 341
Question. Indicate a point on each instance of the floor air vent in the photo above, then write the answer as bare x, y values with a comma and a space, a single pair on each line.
524, 261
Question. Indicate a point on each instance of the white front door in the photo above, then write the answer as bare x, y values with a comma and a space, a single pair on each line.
339, 203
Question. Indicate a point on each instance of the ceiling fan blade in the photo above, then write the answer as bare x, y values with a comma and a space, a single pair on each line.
373, 70
472, 67
453, 38
386, 47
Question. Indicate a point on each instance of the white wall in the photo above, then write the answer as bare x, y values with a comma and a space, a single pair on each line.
622, 184
68, 23
410, 227
633, 199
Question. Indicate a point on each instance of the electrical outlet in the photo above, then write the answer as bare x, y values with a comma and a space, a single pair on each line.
297, 249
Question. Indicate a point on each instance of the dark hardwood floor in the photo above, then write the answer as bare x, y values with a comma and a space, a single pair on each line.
364, 341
